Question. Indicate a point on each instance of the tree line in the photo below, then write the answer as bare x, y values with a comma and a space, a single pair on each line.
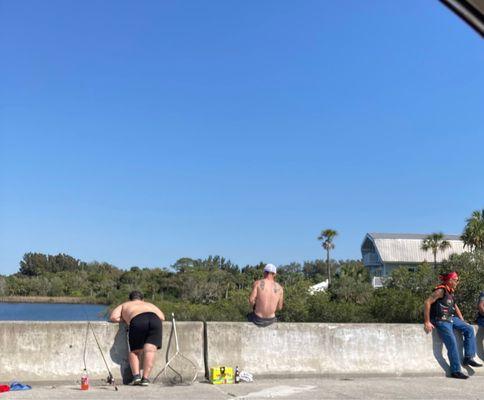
216, 289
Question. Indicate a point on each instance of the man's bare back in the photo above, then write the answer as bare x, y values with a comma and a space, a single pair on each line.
266, 297
130, 309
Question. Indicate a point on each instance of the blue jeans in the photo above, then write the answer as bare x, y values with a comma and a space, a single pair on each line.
446, 333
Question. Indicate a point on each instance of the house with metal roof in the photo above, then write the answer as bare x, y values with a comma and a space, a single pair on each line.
383, 252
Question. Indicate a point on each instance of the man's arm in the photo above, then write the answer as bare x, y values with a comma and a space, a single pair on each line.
458, 313
437, 294
280, 303
159, 313
481, 307
253, 294
116, 314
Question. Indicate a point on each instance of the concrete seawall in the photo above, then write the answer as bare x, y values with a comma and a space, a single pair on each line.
55, 350
328, 349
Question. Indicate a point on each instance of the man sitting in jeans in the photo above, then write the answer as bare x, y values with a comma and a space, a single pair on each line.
439, 310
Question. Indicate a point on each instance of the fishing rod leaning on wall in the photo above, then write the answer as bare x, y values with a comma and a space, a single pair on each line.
84, 380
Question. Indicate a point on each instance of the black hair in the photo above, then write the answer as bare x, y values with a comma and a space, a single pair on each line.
136, 295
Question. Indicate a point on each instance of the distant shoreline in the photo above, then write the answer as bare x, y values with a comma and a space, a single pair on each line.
48, 299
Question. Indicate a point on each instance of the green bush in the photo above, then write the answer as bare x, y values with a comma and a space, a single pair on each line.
396, 306
214, 289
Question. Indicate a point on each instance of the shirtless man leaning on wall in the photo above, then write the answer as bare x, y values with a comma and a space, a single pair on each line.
144, 334
266, 298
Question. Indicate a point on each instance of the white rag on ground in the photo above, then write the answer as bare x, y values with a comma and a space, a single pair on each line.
246, 376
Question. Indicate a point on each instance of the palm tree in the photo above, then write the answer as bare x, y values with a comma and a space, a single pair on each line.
326, 238
473, 235
435, 242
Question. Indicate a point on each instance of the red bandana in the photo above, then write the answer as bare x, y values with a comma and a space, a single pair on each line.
446, 277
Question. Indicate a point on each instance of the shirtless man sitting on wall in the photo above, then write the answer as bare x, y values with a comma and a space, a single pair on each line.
266, 298
144, 334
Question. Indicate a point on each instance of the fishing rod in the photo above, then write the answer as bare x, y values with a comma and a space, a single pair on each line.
110, 379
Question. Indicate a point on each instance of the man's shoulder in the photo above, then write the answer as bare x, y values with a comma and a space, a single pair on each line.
277, 288
151, 306
438, 292
127, 305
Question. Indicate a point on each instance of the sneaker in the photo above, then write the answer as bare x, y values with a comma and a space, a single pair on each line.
458, 375
471, 363
145, 382
136, 380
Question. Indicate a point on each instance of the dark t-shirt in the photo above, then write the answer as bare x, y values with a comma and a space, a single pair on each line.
480, 317
443, 309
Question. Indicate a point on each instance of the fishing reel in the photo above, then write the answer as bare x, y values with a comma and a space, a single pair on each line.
110, 381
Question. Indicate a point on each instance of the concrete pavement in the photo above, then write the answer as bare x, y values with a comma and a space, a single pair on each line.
430, 387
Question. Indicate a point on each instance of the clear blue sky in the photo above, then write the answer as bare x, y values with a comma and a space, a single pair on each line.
137, 133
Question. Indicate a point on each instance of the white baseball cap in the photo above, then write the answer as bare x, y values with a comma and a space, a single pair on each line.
270, 268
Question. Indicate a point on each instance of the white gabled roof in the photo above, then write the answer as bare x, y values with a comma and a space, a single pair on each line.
406, 248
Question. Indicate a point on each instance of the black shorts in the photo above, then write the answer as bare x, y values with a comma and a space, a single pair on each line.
144, 328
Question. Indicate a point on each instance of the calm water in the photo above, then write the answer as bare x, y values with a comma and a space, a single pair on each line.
52, 312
